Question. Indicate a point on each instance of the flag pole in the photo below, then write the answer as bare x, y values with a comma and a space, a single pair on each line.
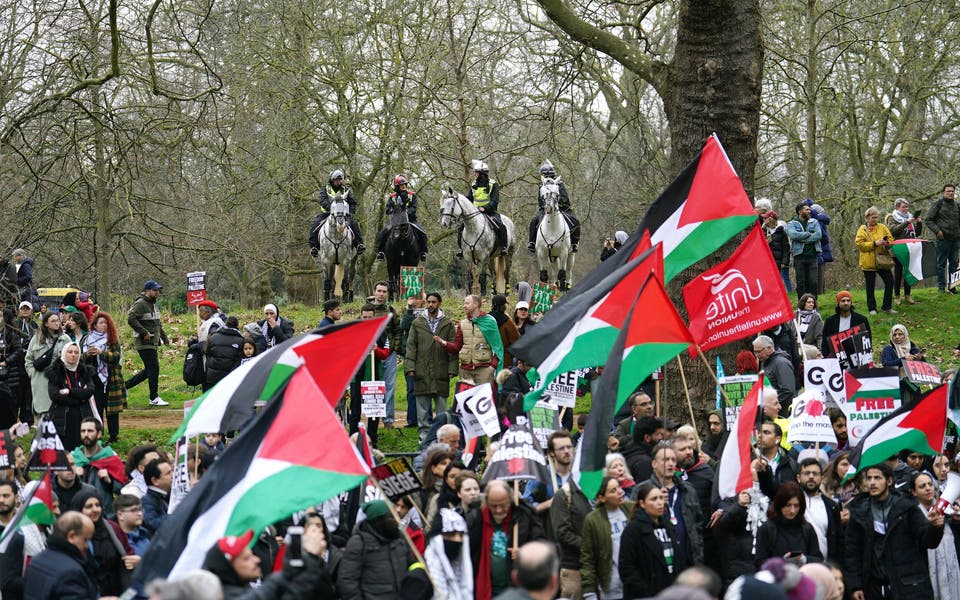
714, 375
656, 393
683, 378
516, 524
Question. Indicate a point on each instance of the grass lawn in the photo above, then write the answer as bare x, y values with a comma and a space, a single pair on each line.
932, 324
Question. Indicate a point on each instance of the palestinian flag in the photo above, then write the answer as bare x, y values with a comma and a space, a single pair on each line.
642, 345
703, 208
919, 428
295, 454
491, 332
329, 355
918, 257
953, 400
733, 473
36, 509
580, 334
105, 458
869, 386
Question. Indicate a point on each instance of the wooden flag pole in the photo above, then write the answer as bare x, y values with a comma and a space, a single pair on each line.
714, 375
656, 393
516, 525
686, 391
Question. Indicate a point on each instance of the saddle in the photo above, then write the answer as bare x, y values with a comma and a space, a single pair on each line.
494, 221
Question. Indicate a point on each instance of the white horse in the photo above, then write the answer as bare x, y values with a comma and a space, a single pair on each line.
479, 242
554, 247
337, 256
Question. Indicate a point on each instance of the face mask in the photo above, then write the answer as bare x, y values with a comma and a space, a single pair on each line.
452, 549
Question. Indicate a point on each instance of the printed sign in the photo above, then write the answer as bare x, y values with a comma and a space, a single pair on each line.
954, 279
7, 449
809, 421
872, 394
922, 373
563, 389
543, 297
825, 374
196, 287
46, 451
397, 479
517, 457
736, 388
411, 282
181, 476
478, 413
543, 419
857, 351
373, 398
836, 344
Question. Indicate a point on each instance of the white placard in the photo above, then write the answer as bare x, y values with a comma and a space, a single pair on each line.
826, 375
809, 421
563, 389
471, 424
482, 406
373, 398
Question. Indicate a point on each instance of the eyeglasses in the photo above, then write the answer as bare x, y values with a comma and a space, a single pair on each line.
132, 510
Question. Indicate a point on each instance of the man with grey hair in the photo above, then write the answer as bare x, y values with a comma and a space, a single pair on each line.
534, 573
194, 585
778, 369
448, 438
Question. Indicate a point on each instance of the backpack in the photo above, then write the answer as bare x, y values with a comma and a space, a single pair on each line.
193, 369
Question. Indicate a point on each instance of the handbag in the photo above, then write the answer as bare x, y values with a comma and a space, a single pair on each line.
884, 260
44, 360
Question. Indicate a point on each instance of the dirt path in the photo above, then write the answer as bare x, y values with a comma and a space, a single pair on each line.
159, 418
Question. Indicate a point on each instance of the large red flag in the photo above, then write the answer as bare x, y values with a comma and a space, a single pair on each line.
738, 297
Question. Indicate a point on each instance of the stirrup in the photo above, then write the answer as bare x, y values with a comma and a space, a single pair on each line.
381, 256
314, 252
360, 248
576, 247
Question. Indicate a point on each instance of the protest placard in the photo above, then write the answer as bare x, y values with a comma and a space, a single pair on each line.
478, 413
825, 374
46, 451
373, 398
397, 479
517, 457
872, 394
736, 388
809, 421
857, 351
544, 419
411, 282
563, 389
921, 372
196, 287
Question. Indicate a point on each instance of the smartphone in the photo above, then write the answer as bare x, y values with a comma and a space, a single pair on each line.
294, 542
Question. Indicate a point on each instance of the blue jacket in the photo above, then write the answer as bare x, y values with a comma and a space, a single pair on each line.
827, 249
889, 358
801, 234
154, 510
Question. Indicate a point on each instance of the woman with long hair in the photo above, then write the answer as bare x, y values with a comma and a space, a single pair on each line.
432, 474
786, 533
649, 561
616, 467
809, 321
873, 241
46, 343
833, 475
447, 498
942, 560
101, 351
468, 491
70, 387
600, 550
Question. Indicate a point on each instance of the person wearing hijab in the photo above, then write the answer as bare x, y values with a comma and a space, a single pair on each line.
70, 386
111, 560
448, 558
900, 348
275, 329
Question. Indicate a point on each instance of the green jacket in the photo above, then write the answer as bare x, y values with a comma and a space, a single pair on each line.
394, 333
432, 365
144, 317
596, 553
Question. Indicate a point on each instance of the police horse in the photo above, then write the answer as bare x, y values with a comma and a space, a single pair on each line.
479, 242
402, 249
554, 248
336, 255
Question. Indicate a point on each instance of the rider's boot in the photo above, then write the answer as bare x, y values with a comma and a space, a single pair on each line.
459, 243
502, 240
532, 238
532, 247
314, 252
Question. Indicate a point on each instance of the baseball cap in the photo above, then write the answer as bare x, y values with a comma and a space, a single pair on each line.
152, 285
523, 304
25, 303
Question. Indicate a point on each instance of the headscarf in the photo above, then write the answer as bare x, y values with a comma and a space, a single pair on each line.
98, 340
63, 357
265, 328
824, 579
902, 349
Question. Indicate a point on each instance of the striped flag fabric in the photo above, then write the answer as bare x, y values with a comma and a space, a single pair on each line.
918, 257
327, 354
733, 475
919, 428
872, 393
36, 509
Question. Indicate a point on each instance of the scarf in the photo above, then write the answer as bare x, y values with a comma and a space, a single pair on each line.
484, 587
105, 458
98, 340
265, 328
909, 231
756, 512
902, 349
433, 323
452, 580
491, 332
804, 317
63, 358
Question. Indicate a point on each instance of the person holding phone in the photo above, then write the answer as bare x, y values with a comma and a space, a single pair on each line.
873, 240
787, 533
904, 226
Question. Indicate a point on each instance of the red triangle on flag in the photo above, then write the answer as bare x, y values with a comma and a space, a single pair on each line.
851, 384
661, 323
930, 416
306, 431
642, 246
617, 304
716, 191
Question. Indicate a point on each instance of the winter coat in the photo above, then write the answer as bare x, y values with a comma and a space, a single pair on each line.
787, 471
394, 332
312, 581
432, 365
528, 529
889, 358
826, 248
38, 379
903, 554
643, 567
779, 371
67, 411
59, 573
731, 534
327, 194
373, 566
779, 244
12, 353
115, 388
508, 335
814, 332
778, 537
944, 216
276, 335
567, 513
155, 504
801, 234
866, 243
831, 327
596, 553
700, 476
223, 353
693, 517
901, 231
144, 317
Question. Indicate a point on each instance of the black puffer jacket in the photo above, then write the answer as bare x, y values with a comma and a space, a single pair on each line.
779, 536
373, 566
732, 535
779, 245
312, 581
68, 410
14, 350
224, 353
903, 555
643, 567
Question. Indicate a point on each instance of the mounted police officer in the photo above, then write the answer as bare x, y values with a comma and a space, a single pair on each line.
402, 199
334, 190
485, 195
548, 172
